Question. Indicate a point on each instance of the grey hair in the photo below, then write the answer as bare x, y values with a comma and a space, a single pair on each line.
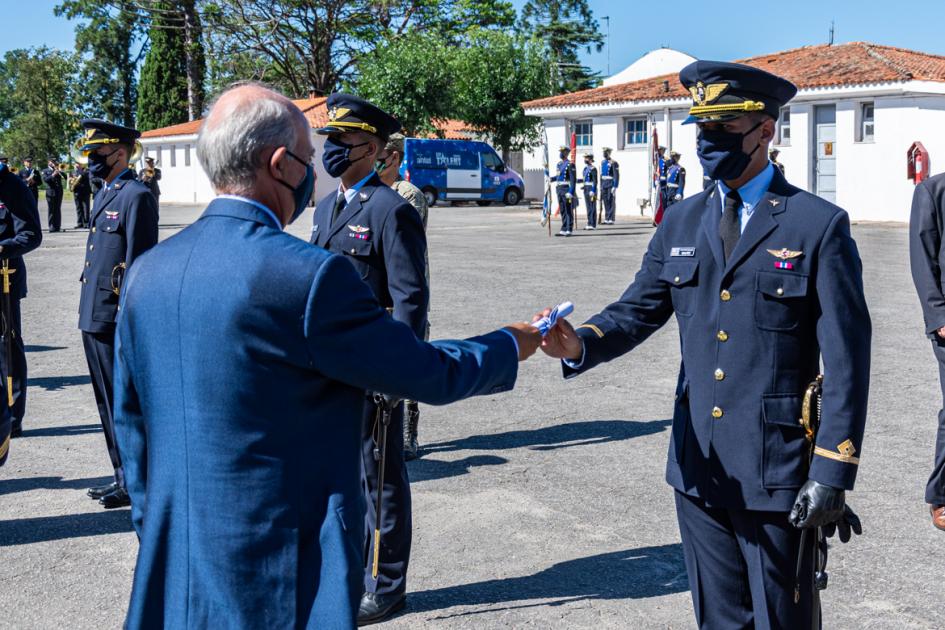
230, 147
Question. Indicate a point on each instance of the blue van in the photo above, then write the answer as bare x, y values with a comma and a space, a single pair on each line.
455, 170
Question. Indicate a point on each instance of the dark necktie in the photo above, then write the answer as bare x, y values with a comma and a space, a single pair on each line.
729, 228
340, 202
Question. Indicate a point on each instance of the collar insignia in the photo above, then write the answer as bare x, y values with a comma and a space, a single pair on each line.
785, 254
774, 202
703, 94
363, 196
359, 229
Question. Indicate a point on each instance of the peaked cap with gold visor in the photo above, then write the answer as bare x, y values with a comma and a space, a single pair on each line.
347, 112
724, 91
98, 133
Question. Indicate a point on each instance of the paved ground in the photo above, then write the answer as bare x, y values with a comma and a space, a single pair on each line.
542, 508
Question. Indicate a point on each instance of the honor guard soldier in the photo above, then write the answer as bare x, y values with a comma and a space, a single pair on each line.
675, 180
773, 156
662, 166
765, 282
31, 177
20, 233
566, 181
589, 187
926, 248
150, 176
609, 181
382, 235
53, 177
81, 186
124, 225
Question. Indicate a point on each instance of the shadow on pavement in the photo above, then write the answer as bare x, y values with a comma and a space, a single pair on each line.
76, 429
555, 437
630, 574
9, 486
44, 348
54, 383
25, 531
429, 469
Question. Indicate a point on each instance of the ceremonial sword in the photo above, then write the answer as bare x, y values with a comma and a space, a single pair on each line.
8, 326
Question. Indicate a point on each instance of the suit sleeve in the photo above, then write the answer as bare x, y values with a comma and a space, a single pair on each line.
27, 231
142, 228
352, 339
572, 178
844, 333
405, 248
616, 173
642, 310
130, 431
925, 246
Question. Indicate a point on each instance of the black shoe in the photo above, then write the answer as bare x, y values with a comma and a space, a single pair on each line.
100, 491
376, 608
16, 431
118, 498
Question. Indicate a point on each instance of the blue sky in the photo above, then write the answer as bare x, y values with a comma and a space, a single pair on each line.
720, 29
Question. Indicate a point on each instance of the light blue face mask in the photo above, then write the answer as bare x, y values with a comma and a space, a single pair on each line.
302, 192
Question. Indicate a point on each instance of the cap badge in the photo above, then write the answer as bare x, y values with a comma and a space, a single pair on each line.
705, 94
90, 133
337, 113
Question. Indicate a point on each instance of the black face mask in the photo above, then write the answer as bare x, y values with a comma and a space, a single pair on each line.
721, 152
337, 156
98, 164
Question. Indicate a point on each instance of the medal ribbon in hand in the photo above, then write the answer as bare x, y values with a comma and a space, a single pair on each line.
545, 324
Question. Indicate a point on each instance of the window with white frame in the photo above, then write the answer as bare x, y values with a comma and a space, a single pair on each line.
584, 130
866, 122
784, 126
634, 131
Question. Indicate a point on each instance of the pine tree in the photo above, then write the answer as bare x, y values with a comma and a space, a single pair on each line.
565, 26
162, 89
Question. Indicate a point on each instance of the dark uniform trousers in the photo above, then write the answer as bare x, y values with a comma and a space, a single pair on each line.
567, 209
382, 235
54, 211
82, 209
607, 197
754, 327
124, 226
927, 257
20, 233
591, 205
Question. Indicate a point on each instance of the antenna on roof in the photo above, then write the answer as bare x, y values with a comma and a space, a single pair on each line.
607, 17
832, 32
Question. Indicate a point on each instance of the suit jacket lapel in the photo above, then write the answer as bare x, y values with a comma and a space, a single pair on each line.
353, 207
763, 221
711, 216
105, 198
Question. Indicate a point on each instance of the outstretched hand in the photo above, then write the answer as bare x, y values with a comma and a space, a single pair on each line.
527, 337
562, 341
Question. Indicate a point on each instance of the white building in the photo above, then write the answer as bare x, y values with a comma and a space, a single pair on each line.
858, 109
183, 180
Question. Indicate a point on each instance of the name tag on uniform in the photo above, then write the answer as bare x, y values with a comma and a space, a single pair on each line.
687, 252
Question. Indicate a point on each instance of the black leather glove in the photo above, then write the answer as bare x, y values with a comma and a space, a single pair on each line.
817, 505
847, 523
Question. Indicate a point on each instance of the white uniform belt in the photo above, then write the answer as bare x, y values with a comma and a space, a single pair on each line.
606, 176
673, 185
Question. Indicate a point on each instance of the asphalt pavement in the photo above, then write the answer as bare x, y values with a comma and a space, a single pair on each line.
542, 508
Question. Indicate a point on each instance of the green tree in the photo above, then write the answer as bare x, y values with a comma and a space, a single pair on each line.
162, 89
109, 37
410, 78
38, 118
565, 26
492, 77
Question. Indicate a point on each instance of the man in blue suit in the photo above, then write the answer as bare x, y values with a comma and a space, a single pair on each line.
765, 282
241, 362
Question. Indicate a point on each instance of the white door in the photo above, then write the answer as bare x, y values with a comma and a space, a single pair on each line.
825, 158
463, 175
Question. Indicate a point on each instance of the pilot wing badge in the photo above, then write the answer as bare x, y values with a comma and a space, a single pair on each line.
784, 257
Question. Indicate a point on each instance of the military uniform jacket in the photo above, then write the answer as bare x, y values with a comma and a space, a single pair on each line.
124, 225
927, 250
590, 178
20, 229
609, 174
53, 182
241, 360
31, 178
565, 175
752, 333
382, 235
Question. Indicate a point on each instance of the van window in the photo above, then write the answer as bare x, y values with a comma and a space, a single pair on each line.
430, 157
491, 160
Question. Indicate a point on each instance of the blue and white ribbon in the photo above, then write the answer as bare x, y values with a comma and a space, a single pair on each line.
545, 324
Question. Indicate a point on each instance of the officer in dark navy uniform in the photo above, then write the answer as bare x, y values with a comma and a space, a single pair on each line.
765, 282
20, 233
589, 186
609, 181
124, 224
675, 180
31, 177
566, 181
382, 235
53, 178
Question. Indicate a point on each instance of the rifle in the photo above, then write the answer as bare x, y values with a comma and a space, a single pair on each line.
385, 409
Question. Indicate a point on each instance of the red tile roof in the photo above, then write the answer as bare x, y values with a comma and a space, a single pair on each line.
856, 63
316, 112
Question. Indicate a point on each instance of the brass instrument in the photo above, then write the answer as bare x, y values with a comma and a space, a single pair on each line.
74, 181
147, 174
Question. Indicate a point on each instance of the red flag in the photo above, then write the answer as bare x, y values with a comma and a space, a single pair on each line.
658, 202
